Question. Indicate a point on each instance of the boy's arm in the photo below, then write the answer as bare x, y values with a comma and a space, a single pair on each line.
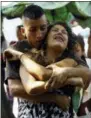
32, 86
60, 75
76, 81
84, 73
17, 90
68, 62
37, 70
78, 71
41, 71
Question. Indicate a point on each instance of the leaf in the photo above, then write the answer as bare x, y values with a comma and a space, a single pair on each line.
80, 8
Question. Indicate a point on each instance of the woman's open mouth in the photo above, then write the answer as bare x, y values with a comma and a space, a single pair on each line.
59, 38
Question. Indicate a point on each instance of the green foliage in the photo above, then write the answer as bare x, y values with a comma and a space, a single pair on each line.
85, 23
80, 8
55, 11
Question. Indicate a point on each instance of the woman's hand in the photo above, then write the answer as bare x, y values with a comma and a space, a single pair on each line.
58, 78
12, 54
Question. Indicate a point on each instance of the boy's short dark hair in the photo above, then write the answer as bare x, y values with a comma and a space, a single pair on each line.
33, 12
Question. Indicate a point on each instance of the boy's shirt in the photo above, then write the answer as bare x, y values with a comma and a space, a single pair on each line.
12, 71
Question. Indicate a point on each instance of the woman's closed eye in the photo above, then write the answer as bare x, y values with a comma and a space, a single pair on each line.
64, 31
55, 30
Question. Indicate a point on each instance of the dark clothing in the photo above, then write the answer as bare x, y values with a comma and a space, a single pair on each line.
83, 106
13, 66
6, 111
28, 109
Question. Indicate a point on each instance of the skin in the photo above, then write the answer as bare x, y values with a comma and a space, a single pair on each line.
18, 90
57, 38
78, 50
35, 30
57, 41
60, 45
20, 35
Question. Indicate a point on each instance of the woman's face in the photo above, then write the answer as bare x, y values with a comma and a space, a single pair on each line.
57, 38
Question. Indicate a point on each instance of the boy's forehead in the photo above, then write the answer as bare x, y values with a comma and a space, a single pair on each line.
35, 22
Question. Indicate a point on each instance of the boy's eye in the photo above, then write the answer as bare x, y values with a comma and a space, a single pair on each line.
32, 30
42, 28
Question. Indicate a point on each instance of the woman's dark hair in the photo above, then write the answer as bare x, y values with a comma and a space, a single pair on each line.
71, 43
33, 12
80, 41
82, 44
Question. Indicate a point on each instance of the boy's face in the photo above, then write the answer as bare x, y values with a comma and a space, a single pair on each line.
35, 30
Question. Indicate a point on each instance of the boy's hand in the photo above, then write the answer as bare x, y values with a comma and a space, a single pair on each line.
57, 79
63, 102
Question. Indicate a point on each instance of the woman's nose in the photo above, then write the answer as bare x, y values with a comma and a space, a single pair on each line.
60, 32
